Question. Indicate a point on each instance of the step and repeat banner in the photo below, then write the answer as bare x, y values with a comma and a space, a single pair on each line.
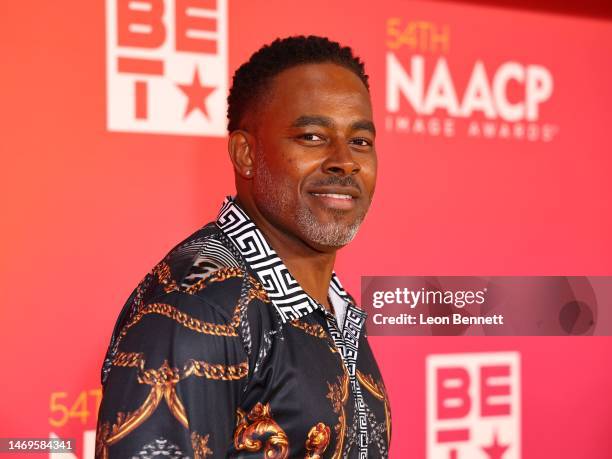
494, 160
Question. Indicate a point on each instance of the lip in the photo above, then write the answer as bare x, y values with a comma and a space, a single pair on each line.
336, 198
353, 192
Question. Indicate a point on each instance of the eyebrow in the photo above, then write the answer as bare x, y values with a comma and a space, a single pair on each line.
325, 121
364, 125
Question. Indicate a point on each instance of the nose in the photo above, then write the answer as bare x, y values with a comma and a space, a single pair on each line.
340, 160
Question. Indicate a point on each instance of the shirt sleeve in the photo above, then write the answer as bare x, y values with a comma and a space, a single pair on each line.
175, 383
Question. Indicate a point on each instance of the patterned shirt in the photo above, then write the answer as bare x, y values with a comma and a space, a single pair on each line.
219, 352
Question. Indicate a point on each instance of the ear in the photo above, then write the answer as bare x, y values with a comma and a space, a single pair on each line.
241, 147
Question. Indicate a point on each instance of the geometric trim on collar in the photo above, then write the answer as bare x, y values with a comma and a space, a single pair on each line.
285, 293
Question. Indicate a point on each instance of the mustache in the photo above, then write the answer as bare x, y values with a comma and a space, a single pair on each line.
346, 181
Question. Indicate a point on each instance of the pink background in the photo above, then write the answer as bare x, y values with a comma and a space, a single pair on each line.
87, 212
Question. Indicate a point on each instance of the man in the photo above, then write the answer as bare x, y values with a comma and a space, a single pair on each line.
242, 342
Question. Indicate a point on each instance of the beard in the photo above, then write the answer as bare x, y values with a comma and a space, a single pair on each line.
273, 196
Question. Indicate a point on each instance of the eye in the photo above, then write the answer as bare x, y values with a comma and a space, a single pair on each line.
311, 137
362, 142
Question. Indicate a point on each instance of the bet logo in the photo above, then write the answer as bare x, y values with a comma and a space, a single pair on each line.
473, 406
166, 66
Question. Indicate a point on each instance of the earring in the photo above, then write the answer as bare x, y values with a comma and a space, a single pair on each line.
247, 172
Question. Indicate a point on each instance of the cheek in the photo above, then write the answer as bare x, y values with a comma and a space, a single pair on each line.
298, 165
369, 173
286, 179
284, 159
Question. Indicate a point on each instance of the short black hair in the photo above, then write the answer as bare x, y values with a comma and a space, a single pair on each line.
252, 77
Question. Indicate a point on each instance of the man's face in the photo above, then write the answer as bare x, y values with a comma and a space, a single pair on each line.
315, 161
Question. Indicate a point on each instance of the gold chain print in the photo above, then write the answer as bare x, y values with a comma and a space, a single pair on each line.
163, 381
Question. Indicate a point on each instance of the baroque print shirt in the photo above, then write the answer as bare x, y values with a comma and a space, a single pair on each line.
219, 352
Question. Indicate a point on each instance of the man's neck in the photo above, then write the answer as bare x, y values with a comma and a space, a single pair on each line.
311, 268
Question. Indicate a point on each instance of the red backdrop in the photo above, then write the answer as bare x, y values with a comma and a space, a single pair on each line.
89, 208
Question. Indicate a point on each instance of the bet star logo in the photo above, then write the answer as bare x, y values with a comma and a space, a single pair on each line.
196, 95
166, 66
495, 451
473, 406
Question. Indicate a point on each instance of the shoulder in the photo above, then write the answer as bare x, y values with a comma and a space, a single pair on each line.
201, 290
205, 266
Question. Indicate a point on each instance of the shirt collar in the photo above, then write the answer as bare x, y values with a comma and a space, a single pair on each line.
285, 293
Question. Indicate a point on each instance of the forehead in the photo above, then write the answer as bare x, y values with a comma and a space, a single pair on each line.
317, 89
